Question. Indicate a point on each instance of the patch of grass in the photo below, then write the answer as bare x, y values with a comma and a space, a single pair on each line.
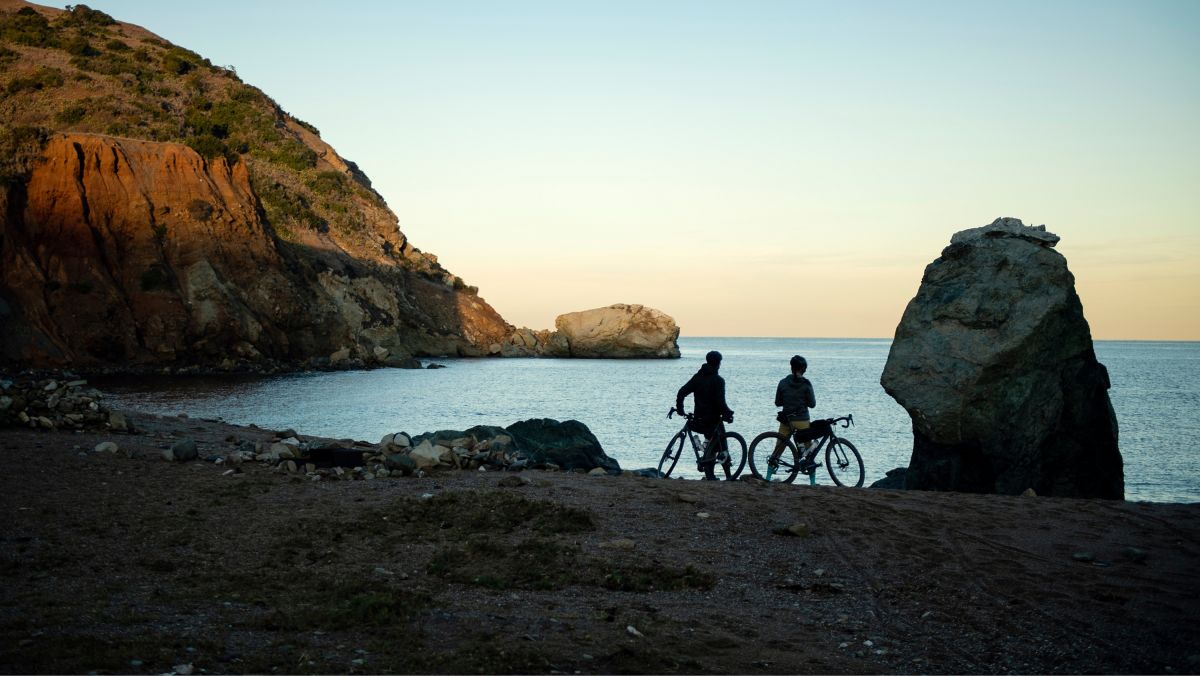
42, 78
20, 147
285, 208
71, 114
348, 605
466, 512
27, 27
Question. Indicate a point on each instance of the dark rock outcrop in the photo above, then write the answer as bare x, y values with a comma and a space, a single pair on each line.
993, 360
541, 442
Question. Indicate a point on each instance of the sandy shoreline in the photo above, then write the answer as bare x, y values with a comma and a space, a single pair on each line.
136, 565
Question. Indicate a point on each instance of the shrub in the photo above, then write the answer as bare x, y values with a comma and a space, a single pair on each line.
7, 56
115, 45
177, 63
283, 206
27, 27
79, 46
81, 16
207, 146
330, 183
307, 126
292, 154
71, 114
42, 78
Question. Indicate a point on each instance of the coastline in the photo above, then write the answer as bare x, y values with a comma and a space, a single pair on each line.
111, 559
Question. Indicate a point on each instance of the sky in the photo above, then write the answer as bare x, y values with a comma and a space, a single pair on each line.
752, 168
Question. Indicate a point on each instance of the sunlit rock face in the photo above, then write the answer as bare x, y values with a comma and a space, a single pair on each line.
118, 251
624, 331
993, 360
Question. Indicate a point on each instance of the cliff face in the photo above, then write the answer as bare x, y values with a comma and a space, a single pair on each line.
229, 232
119, 251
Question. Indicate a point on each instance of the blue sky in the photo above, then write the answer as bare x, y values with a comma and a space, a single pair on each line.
725, 161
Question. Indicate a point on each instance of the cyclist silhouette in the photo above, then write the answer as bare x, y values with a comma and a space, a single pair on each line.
708, 390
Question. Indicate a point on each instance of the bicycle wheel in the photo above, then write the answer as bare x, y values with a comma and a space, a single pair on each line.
735, 447
844, 463
670, 456
760, 454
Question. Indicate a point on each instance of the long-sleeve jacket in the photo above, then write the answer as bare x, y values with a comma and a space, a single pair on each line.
795, 394
709, 391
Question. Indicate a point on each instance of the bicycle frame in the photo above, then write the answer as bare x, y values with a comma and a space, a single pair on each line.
698, 447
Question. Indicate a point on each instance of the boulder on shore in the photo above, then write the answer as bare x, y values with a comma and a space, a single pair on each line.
994, 362
619, 331
567, 445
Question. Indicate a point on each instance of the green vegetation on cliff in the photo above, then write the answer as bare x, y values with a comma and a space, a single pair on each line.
81, 71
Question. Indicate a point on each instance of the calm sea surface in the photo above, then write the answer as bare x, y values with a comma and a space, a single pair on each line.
1156, 394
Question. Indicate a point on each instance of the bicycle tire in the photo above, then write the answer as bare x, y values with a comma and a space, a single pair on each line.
760, 453
671, 455
735, 446
844, 467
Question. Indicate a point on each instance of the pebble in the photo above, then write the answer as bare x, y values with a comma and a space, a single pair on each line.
632, 630
1085, 557
183, 669
702, 515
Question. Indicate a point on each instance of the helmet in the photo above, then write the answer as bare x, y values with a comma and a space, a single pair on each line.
713, 357
798, 363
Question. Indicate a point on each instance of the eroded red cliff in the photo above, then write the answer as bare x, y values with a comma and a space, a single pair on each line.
119, 251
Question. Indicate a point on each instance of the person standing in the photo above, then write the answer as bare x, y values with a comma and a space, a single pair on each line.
708, 390
795, 394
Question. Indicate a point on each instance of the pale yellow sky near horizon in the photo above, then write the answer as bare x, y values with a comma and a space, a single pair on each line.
753, 168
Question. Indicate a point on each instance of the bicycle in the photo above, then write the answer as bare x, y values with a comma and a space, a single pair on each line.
731, 454
842, 460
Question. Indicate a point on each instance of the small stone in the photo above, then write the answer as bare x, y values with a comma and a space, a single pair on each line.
136, 663
632, 631
427, 496
926, 615
1085, 557
290, 466
1134, 554
513, 481
183, 669
820, 572
799, 530
843, 645
107, 447
868, 643
598, 471
183, 450
688, 498
117, 422
702, 515
1029, 493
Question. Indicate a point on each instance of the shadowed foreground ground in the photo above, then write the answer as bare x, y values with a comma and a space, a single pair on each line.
137, 565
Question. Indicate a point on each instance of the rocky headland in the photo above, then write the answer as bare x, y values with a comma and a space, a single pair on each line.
993, 360
159, 213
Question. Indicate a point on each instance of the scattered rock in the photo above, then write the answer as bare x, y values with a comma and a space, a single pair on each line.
1029, 493
598, 471
1134, 554
800, 530
1085, 557
183, 450
118, 423
632, 631
107, 447
513, 481
702, 515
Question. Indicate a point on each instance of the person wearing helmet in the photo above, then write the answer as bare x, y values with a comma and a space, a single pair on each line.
795, 394
708, 390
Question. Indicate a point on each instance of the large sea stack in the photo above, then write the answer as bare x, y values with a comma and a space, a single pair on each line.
994, 362
158, 211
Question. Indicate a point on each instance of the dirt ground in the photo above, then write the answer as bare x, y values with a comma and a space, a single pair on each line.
136, 565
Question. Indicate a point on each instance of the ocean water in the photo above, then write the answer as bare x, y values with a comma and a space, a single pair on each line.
1156, 394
